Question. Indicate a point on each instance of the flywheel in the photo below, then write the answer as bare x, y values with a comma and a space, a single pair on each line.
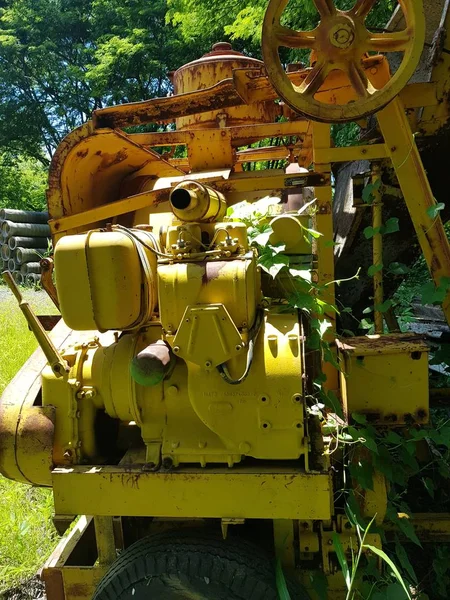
342, 42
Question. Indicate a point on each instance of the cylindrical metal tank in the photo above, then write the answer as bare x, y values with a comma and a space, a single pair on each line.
23, 216
212, 68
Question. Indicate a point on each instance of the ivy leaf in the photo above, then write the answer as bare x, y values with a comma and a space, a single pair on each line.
367, 193
393, 438
391, 226
366, 324
396, 592
361, 419
434, 211
315, 234
382, 308
368, 441
368, 310
397, 268
263, 238
374, 269
362, 472
370, 232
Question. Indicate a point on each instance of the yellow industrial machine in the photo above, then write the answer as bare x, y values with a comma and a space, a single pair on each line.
169, 407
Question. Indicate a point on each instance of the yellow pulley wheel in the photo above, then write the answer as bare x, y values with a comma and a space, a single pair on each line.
342, 42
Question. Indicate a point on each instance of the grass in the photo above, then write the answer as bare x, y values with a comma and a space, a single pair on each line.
27, 536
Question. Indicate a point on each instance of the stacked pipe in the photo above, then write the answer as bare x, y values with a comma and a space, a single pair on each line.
24, 237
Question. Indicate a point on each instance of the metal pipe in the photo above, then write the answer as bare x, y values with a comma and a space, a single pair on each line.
28, 242
18, 277
23, 216
26, 255
32, 279
6, 252
31, 267
378, 291
58, 365
25, 229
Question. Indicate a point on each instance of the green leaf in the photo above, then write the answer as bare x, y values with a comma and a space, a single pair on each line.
397, 268
391, 226
319, 584
283, 593
407, 528
368, 310
353, 512
434, 211
361, 419
342, 559
395, 591
370, 232
368, 191
392, 566
374, 269
315, 234
366, 324
382, 308
429, 486
393, 438
404, 560
362, 472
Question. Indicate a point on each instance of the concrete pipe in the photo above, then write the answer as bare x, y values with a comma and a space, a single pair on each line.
18, 277
29, 268
11, 265
23, 216
6, 252
25, 229
5, 265
40, 243
33, 279
27, 255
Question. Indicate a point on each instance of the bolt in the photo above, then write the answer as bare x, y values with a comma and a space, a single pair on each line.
208, 364
202, 445
167, 462
175, 445
238, 348
176, 349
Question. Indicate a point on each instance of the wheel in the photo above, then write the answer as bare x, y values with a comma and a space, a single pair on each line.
192, 565
342, 42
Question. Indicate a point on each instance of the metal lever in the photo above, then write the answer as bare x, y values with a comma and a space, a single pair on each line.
58, 365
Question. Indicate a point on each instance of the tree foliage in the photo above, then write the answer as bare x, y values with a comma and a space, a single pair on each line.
62, 59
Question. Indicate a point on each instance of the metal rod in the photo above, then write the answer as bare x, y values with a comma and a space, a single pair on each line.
58, 365
378, 291
23, 216
10, 228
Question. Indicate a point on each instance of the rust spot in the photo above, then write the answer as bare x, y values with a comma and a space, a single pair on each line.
212, 270
82, 153
109, 160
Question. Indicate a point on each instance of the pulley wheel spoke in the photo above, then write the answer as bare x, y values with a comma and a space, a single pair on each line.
290, 38
358, 79
314, 80
325, 8
362, 8
396, 41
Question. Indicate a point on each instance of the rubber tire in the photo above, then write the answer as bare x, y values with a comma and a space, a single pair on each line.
192, 565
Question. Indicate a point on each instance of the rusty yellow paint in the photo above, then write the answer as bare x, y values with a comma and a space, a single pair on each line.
265, 493
385, 378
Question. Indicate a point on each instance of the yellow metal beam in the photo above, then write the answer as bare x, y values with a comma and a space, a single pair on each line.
417, 192
271, 493
350, 153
